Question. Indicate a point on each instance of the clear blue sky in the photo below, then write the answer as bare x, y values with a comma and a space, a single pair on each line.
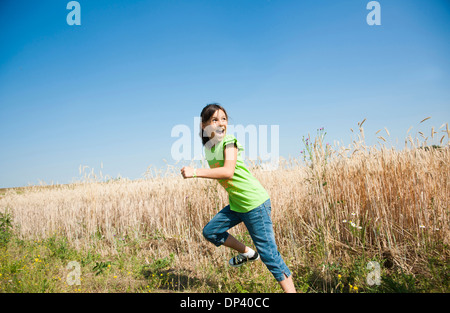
111, 90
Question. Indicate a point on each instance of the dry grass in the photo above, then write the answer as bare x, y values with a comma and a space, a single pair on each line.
376, 201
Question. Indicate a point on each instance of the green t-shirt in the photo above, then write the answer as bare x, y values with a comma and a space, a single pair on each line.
245, 192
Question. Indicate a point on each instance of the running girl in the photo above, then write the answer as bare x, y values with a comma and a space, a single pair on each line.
249, 202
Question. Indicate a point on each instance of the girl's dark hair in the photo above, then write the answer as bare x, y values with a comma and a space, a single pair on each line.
205, 116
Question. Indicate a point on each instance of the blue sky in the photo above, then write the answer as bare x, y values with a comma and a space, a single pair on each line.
111, 90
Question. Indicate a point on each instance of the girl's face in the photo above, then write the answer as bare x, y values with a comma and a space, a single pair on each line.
216, 127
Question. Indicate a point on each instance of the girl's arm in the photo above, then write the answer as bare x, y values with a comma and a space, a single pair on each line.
225, 172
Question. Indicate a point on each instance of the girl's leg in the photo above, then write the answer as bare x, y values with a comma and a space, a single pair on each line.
216, 230
287, 285
260, 227
233, 243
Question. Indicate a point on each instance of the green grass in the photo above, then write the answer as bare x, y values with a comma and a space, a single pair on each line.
54, 265
42, 267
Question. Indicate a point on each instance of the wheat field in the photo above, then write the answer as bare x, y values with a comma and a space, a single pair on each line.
334, 205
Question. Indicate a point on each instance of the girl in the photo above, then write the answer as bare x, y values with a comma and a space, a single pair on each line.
249, 201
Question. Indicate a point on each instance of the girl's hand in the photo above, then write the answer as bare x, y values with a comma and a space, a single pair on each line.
187, 172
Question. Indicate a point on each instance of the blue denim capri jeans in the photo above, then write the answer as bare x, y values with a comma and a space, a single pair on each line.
260, 227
